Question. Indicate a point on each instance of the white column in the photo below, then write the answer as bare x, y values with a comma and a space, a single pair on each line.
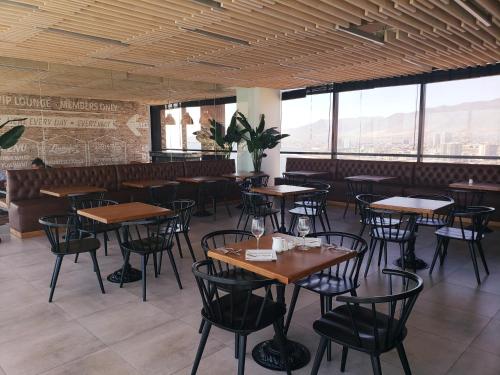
253, 102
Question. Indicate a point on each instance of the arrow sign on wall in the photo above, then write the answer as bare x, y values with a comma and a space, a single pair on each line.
134, 125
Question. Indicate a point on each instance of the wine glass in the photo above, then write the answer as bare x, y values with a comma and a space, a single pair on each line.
303, 227
258, 228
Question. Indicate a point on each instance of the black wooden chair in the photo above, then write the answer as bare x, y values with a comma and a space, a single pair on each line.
355, 188
373, 325
381, 233
335, 280
231, 305
255, 204
259, 181
319, 186
438, 218
88, 227
217, 191
363, 202
58, 229
313, 206
145, 238
471, 226
466, 198
183, 208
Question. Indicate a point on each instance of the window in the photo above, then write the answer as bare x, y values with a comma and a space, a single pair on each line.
191, 141
379, 121
173, 133
462, 118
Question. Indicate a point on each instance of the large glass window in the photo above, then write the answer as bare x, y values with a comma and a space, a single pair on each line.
191, 141
462, 118
379, 121
173, 132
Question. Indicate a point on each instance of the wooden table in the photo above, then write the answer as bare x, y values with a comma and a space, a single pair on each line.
290, 266
282, 191
200, 182
151, 185
369, 178
361, 184
305, 175
244, 175
413, 205
118, 213
476, 186
71, 190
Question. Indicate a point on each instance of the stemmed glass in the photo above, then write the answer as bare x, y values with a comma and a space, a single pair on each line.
303, 227
258, 228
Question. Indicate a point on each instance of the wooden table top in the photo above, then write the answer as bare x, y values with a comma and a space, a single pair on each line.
292, 265
244, 175
370, 178
476, 186
282, 190
67, 191
141, 184
118, 213
305, 173
200, 179
415, 205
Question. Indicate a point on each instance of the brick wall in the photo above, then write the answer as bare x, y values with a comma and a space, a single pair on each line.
75, 132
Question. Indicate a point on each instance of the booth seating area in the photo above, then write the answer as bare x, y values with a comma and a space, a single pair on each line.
412, 178
26, 204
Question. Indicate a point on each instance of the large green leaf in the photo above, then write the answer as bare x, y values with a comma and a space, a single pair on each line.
10, 138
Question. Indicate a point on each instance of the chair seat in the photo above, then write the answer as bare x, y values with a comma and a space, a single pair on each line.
457, 234
97, 227
430, 221
272, 311
304, 211
391, 235
305, 203
78, 246
337, 326
383, 222
326, 284
144, 246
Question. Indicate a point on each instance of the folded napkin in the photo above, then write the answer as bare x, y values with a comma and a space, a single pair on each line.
332, 246
310, 241
257, 255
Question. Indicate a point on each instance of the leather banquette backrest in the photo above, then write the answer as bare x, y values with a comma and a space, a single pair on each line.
442, 174
402, 170
310, 164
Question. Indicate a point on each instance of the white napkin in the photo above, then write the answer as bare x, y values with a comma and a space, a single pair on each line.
258, 255
310, 241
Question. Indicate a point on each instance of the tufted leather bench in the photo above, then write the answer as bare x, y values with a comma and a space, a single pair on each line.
26, 204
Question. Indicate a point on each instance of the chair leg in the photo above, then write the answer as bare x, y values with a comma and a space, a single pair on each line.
201, 346
344, 358
291, 309
155, 264
329, 305
404, 360
125, 262
319, 355
174, 266
346, 207
436, 253
474, 261
444, 251
178, 244
373, 244
246, 222
380, 252
159, 263
322, 222
242, 346
105, 235
481, 253
76, 258
402, 254
188, 241
241, 217
281, 339
327, 219
143, 268
363, 227
377, 369
236, 345
97, 270
55, 276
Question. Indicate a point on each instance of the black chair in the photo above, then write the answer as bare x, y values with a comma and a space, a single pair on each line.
355, 188
438, 218
145, 238
466, 198
381, 232
471, 226
333, 281
319, 186
231, 305
363, 202
259, 181
58, 229
361, 325
164, 195
217, 191
183, 208
255, 204
313, 206
88, 227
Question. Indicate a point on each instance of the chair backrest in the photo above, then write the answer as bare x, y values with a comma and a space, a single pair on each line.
222, 238
472, 221
317, 185
444, 214
392, 225
355, 188
389, 313
244, 185
350, 268
230, 302
259, 181
183, 208
60, 231
363, 202
254, 203
149, 235
315, 202
86, 222
465, 198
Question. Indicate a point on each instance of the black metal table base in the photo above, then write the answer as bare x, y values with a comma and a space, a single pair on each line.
131, 275
412, 264
267, 355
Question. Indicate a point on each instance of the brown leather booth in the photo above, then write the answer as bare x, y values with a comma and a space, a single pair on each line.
26, 204
412, 178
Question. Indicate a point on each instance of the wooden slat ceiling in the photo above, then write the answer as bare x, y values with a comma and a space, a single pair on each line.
159, 50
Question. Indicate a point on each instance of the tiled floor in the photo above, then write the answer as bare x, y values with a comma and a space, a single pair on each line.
454, 329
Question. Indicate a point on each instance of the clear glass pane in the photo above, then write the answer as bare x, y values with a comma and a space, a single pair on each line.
191, 141
463, 118
173, 133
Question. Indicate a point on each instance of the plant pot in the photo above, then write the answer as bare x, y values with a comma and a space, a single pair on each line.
257, 157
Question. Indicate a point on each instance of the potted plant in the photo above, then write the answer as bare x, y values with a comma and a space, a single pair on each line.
259, 140
11, 136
